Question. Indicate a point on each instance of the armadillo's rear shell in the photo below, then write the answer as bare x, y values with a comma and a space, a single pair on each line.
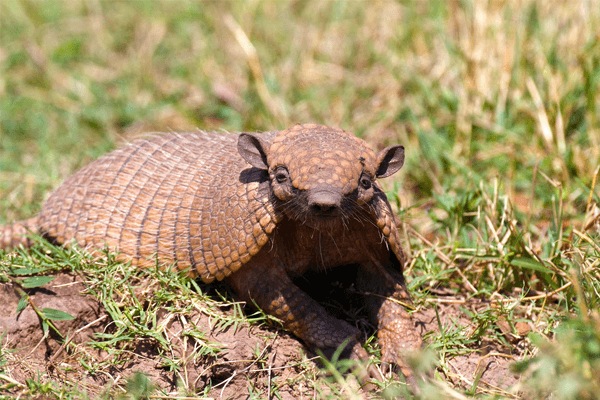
184, 198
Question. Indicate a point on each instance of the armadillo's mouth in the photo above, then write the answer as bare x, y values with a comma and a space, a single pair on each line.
325, 215
324, 221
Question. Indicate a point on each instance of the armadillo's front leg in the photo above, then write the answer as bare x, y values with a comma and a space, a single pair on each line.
274, 292
387, 300
398, 336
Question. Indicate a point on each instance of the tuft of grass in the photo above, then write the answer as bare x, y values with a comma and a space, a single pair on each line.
567, 366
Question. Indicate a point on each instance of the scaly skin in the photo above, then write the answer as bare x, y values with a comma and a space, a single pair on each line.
279, 204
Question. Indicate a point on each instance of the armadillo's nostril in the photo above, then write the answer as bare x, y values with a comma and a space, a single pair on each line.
322, 208
324, 202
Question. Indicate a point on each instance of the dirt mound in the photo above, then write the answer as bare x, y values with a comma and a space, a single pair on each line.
227, 362
485, 363
31, 349
246, 353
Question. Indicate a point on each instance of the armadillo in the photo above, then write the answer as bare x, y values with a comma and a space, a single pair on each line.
254, 209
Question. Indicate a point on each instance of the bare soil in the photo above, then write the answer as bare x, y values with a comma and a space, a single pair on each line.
261, 357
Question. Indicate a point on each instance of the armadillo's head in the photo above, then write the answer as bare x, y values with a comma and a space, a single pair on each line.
320, 174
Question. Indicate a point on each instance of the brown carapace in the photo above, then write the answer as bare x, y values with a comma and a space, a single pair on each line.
255, 209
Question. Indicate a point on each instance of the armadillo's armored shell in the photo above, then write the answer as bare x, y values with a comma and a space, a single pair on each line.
387, 223
305, 149
188, 199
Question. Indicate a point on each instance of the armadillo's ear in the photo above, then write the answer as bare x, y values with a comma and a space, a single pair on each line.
254, 150
389, 161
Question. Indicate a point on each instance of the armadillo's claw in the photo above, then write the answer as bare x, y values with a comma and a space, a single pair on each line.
364, 370
396, 349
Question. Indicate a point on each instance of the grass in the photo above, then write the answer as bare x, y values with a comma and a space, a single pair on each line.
497, 104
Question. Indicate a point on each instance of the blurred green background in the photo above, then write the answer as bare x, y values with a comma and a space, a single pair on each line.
475, 90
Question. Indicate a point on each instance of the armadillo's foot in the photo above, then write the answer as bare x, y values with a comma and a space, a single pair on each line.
397, 348
398, 337
364, 369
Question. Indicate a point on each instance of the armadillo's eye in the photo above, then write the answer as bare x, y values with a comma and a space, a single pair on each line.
281, 175
365, 182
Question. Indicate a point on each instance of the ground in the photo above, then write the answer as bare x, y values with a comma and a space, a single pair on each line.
261, 357
237, 360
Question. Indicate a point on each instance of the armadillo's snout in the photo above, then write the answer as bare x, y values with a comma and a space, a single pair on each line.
324, 202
